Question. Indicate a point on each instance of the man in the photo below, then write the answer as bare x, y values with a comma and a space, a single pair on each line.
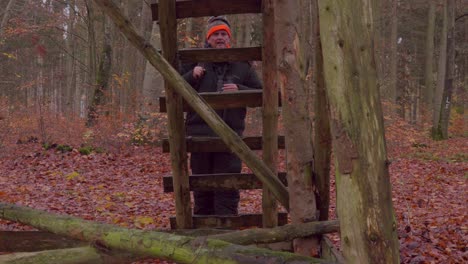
218, 77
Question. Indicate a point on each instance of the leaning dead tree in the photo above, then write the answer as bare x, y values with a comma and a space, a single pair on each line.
178, 248
364, 201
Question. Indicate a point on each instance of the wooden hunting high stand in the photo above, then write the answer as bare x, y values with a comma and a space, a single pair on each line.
167, 13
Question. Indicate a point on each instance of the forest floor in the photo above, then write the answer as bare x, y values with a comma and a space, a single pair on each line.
124, 187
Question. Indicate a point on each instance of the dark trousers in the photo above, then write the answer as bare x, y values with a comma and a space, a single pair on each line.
215, 202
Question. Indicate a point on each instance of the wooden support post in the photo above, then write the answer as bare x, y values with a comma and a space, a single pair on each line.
270, 111
176, 130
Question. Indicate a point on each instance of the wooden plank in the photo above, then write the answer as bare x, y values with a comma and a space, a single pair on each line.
221, 55
270, 110
230, 222
214, 144
176, 128
248, 98
222, 181
201, 8
30, 241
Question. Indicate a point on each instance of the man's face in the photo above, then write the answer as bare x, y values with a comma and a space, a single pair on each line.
219, 39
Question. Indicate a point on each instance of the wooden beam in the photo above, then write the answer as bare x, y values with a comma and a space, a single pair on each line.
214, 144
270, 110
221, 55
29, 241
78, 255
231, 221
276, 234
176, 127
247, 98
224, 181
201, 8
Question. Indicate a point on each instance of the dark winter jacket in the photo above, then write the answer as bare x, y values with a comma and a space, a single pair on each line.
240, 73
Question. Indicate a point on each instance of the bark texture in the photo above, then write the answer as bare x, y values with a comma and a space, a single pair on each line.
176, 248
367, 221
449, 74
429, 72
436, 131
231, 139
277, 234
322, 135
293, 64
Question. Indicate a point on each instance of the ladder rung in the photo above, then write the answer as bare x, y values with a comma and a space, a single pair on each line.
221, 55
221, 181
247, 98
230, 222
201, 8
215, 144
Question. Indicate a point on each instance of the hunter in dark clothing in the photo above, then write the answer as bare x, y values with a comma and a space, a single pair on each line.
218, 77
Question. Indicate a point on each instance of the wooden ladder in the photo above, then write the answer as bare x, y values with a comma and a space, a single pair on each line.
167, 12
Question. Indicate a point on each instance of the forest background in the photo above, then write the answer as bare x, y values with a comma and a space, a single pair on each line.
80, 128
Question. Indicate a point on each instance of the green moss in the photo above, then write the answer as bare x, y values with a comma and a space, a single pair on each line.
459, 157
64, 148
47, 146
86, 150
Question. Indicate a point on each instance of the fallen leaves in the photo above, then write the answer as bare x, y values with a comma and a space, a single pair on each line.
125, 188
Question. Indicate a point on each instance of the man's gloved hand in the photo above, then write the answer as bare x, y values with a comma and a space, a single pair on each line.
198, 72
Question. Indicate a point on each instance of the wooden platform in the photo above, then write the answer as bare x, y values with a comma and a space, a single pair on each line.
224, 181
214, 144
230, 222
248, 98
201, 8
220, 55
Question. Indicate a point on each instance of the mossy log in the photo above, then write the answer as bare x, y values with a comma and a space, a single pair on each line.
277, 234
145, 243
177, 82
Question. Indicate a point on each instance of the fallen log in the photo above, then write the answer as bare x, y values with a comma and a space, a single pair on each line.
277, 234
146, 243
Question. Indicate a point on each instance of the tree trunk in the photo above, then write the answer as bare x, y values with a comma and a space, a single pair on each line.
92, 56
230, 138
322, 135
6, 16
145, 243
364, 203
450, 71
429, 72
393, 88
70, 73
436, 131
153, 83
295, 94
102, 80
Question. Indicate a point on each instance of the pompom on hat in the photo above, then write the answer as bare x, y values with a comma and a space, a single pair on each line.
216, 23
